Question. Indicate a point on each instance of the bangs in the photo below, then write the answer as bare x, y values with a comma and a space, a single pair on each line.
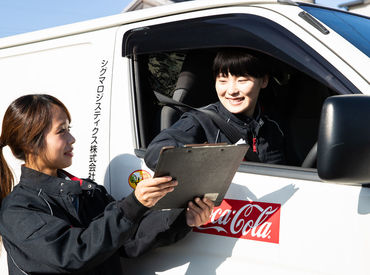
239, 62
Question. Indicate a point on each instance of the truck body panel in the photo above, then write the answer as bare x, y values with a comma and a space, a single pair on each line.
275, 219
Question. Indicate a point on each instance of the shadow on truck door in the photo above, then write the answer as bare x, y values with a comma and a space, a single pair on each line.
200, 253
364, 201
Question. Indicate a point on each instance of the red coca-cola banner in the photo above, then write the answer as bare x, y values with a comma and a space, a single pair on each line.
258, 221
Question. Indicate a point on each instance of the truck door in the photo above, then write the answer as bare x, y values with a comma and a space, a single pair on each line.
275, 219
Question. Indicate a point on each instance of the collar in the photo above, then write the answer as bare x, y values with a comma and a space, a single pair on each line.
240, 119
53, 185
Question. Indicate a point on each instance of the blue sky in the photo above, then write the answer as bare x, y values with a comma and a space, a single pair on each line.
20, 16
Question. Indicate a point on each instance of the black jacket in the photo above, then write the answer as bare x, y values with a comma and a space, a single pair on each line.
43, 233
263, 134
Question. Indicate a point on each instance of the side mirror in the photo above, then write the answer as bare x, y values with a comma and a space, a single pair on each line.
343, 153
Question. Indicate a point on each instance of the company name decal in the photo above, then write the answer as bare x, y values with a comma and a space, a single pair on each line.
259, 221
97, 114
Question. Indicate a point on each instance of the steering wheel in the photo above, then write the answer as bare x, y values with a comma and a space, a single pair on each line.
309, 161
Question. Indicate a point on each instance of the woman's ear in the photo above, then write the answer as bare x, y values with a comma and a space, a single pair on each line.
265, 81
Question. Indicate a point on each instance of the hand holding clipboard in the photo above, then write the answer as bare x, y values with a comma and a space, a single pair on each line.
201, 171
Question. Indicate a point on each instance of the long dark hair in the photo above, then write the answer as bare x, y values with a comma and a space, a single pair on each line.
24, 125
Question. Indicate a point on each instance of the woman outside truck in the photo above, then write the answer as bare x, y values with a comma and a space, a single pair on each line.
239, 77
55, 223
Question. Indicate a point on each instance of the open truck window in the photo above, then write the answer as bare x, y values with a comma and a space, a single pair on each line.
176, 59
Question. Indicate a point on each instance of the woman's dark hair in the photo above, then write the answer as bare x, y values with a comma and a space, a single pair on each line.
24, 126
240, 62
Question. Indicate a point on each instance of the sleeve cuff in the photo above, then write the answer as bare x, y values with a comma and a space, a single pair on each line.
132, 208
180, 222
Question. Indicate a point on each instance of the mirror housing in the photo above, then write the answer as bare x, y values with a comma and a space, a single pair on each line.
343, 153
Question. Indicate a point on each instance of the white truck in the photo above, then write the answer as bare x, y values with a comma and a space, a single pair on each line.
311, 216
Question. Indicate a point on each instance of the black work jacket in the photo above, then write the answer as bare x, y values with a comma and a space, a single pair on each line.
263, 134
43, 233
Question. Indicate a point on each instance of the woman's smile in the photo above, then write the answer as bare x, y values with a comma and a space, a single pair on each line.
238, 94
235, 101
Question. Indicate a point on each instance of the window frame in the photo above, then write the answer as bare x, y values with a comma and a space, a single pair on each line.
204, 33
282, 44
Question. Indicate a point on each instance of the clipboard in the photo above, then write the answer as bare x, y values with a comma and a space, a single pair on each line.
201, 171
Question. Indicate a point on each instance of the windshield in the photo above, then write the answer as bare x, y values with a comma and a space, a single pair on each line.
354, 28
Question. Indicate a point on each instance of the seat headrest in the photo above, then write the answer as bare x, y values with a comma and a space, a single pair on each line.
195, 85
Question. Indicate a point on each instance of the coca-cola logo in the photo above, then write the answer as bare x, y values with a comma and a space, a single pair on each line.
258, 221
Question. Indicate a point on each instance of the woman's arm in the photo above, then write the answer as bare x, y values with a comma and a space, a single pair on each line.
160, 228
41, 241
186, 130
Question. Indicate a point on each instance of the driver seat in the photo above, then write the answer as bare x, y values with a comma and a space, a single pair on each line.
194, 87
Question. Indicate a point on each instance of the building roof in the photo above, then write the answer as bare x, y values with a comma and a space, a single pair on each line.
353, 3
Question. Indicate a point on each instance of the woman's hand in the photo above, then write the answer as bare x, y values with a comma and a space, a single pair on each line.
198, 213
150, 191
